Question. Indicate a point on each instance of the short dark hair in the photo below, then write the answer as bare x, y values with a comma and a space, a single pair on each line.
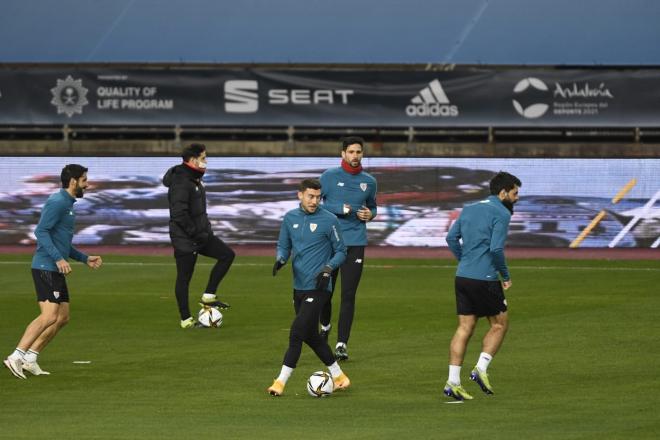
309, 184
503, 181
71, 171
192, 150
350, 140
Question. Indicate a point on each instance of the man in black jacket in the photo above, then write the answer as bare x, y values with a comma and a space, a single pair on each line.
190, 230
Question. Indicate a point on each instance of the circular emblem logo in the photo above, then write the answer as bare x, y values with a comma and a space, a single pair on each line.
531, 111
69, 96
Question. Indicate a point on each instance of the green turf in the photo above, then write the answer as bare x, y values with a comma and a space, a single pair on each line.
580, 361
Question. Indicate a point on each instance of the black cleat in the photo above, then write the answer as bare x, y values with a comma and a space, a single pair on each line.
341, 354
217, 303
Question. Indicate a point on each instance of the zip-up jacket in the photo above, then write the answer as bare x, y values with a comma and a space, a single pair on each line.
54, 233
313, 241
339, 188
483, 227
190, 228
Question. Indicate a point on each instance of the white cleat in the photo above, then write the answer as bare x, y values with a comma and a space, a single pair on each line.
16, 367
34, 369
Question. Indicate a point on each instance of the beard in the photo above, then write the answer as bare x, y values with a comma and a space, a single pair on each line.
508, 205
79, 193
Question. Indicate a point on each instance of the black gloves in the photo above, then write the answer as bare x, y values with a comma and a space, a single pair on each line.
277, 266
323, 278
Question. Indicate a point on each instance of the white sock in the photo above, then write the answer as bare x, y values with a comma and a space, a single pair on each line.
208, 297
17, 354
340, 344
335, 369
325, 328
484, 361
454, 374
285, 374
31, 356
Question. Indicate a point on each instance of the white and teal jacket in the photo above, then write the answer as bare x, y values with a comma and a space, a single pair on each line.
313, 241
357, 190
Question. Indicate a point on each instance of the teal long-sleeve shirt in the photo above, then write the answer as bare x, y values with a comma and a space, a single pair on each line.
483, 228
339, 188
314, 240
54, 233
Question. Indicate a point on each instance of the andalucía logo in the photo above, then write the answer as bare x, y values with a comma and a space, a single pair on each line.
533, 98
69, 96
534, 110
431, 101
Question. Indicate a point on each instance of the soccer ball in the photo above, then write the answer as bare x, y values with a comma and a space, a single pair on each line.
320, 384
210, 317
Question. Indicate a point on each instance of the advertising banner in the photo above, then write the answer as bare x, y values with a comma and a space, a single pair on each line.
329, 98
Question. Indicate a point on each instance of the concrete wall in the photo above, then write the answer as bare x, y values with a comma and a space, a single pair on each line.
160, 147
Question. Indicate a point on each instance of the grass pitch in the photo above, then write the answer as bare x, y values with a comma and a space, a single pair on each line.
580, 361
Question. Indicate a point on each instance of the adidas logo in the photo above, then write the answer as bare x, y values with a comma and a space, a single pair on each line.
431, 101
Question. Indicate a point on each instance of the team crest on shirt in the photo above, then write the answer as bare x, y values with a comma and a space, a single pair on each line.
312, 227
295, 226
363, 186
56, 294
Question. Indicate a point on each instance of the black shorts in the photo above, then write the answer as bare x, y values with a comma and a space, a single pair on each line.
479, 297
50, 286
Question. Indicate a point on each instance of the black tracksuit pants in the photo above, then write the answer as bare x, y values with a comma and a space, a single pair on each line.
351, 272
185, 266
308, 305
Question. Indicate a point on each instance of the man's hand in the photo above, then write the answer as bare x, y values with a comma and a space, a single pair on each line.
506, 284
323, 278
277, 266
63, 266
94, 261
364, 214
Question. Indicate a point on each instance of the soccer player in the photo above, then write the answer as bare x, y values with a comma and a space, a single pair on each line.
481, 278
349, 193
311, 234
50, 265
191, 233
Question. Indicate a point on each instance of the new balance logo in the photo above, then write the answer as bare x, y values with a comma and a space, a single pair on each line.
241, 96
431, 101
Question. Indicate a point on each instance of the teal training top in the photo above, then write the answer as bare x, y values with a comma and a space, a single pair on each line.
55, 233
314, 240
482, 227
357, 190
